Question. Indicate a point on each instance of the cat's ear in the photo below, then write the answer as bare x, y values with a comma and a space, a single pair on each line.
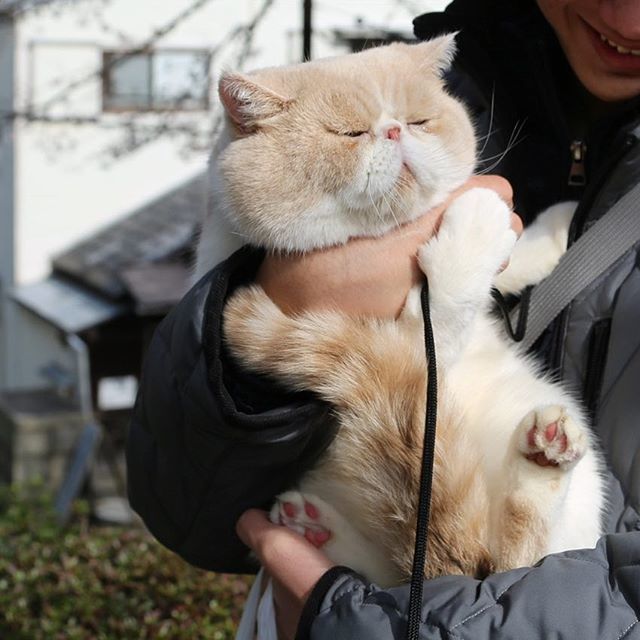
247, 102
438, 54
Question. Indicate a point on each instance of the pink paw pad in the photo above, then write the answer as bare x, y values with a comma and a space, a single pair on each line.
297, 513
289, 509
317, 537
550, 433
557, 442
311, 510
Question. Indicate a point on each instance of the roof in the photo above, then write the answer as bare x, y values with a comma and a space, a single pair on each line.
363, 37
67, 306
155, 240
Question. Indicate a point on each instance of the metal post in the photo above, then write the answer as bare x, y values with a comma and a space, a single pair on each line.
7, 199
306, 31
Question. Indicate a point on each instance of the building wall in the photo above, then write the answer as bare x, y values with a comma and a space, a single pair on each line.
68, 184
39, 346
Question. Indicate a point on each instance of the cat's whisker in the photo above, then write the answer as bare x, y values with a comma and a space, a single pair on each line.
390, 207
375, 207
511, 143
491, 110
400, 206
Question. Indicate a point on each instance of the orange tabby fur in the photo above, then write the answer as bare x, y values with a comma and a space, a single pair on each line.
307, 161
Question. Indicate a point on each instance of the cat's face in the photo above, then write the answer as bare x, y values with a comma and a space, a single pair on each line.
351, 146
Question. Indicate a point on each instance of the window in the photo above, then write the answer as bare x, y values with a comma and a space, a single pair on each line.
174, 79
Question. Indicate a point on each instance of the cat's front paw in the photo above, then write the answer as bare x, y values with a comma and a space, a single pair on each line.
550, 437
474, 241
307, 515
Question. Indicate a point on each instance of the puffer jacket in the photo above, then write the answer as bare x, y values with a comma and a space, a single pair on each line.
208, 439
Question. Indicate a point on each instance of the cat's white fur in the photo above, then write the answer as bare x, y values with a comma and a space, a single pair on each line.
499, 392
497, 385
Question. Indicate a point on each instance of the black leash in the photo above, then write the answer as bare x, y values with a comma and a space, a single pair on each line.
426, 476
517, 333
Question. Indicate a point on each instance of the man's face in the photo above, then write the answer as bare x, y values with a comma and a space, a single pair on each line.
601, 39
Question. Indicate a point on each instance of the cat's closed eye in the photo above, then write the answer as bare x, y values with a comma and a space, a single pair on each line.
351, 133
354, 134
419, 123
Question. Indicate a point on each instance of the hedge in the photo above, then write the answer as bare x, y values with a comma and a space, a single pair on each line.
102, 583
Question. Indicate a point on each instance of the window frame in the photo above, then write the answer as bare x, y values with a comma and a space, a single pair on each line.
109, 54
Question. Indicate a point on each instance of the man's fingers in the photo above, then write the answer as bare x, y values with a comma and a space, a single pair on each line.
286, 555
252, 526
491, 181
516, 223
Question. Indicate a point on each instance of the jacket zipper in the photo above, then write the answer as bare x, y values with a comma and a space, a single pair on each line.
577, 173
555, 360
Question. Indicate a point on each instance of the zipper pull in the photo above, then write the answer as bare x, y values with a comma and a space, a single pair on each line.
577, 173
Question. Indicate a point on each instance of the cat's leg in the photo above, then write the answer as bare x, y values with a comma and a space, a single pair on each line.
328, 352
546, 446
474, 240
538, 249
301, 351
373, 373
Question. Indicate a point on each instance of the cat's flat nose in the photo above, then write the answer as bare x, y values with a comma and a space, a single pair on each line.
393, 133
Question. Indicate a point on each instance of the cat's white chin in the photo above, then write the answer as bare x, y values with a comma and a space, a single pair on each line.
332, 222
335, 219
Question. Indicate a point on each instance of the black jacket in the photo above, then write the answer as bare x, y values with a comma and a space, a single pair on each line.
209, 440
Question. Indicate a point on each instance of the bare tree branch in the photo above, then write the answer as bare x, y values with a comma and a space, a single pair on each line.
139, 129
140, 134
115, 60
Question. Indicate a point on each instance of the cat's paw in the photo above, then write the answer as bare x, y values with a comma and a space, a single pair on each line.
550, 437
307, 515
475, 239
538, 249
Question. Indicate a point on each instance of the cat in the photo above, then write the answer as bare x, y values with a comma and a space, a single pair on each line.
317, 153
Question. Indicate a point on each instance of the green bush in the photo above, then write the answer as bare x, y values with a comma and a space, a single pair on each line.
82, 582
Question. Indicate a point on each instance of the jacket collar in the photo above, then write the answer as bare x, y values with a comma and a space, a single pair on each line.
500, 39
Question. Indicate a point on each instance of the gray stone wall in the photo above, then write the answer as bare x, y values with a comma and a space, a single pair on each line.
38, 432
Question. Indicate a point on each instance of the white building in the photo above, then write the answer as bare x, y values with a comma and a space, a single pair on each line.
88, 104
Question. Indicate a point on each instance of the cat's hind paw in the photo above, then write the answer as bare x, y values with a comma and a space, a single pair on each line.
303, 515
550, 437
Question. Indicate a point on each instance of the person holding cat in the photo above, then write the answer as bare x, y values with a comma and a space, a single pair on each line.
565, 76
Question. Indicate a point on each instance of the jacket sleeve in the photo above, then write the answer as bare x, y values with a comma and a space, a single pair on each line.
206, 440
590, 594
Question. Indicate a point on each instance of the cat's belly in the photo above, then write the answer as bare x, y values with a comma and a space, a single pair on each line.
497, 388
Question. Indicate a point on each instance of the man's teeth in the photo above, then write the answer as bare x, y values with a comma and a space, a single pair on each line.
620, 49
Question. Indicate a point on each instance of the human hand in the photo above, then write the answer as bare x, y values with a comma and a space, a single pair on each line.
366, 276
294, 565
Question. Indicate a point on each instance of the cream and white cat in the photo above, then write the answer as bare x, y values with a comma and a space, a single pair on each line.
317, 153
